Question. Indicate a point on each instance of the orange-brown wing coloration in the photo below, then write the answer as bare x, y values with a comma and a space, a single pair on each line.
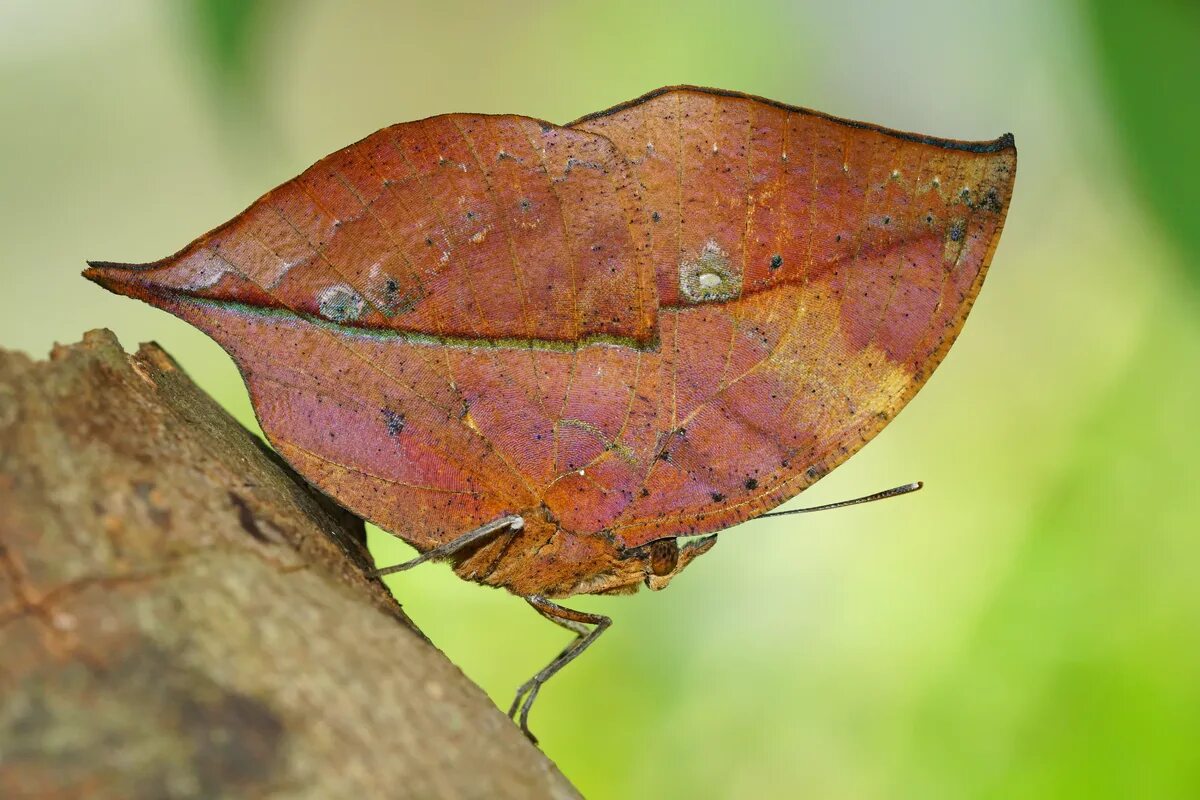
405, 312
668, 318
840, 259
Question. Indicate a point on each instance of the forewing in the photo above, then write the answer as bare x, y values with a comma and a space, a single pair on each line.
406, 312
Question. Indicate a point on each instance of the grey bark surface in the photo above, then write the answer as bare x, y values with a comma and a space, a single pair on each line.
182, 616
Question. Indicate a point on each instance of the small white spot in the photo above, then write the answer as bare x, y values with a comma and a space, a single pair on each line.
845, 167
714, 147
201, 271
895, 174
581, 473
480, 236
936, 182
649, 147
709, 277
445, 256
785, 156
63, 621
340, 303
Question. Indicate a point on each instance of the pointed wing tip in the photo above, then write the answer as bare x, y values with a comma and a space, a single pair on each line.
101, 271
109, 267
117, 277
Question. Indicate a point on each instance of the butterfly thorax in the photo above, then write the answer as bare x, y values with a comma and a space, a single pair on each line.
543, 558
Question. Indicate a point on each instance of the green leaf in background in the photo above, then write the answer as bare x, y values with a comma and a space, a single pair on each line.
231, 39
226, 35
1148, 57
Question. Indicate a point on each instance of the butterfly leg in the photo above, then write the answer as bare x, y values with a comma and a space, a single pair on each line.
575, 621
454, 545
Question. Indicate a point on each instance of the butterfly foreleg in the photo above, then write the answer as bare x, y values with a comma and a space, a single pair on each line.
454, 545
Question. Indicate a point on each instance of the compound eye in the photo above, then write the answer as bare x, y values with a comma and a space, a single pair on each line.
664, 557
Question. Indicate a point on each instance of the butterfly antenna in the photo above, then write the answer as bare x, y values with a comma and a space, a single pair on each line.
870, 498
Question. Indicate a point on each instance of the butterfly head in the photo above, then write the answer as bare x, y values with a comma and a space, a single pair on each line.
663, 559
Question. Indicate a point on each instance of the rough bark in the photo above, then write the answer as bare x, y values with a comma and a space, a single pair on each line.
182, 616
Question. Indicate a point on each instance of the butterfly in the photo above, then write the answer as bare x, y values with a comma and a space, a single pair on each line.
565, 357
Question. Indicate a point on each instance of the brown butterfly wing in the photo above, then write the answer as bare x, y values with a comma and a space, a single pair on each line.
406, 312
660, 330
842, 262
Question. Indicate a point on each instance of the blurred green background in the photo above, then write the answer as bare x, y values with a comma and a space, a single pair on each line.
1028, 626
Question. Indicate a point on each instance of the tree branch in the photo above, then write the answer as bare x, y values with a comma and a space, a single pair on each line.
181, 615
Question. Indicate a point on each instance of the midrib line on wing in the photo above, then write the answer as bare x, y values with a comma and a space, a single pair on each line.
339, 341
